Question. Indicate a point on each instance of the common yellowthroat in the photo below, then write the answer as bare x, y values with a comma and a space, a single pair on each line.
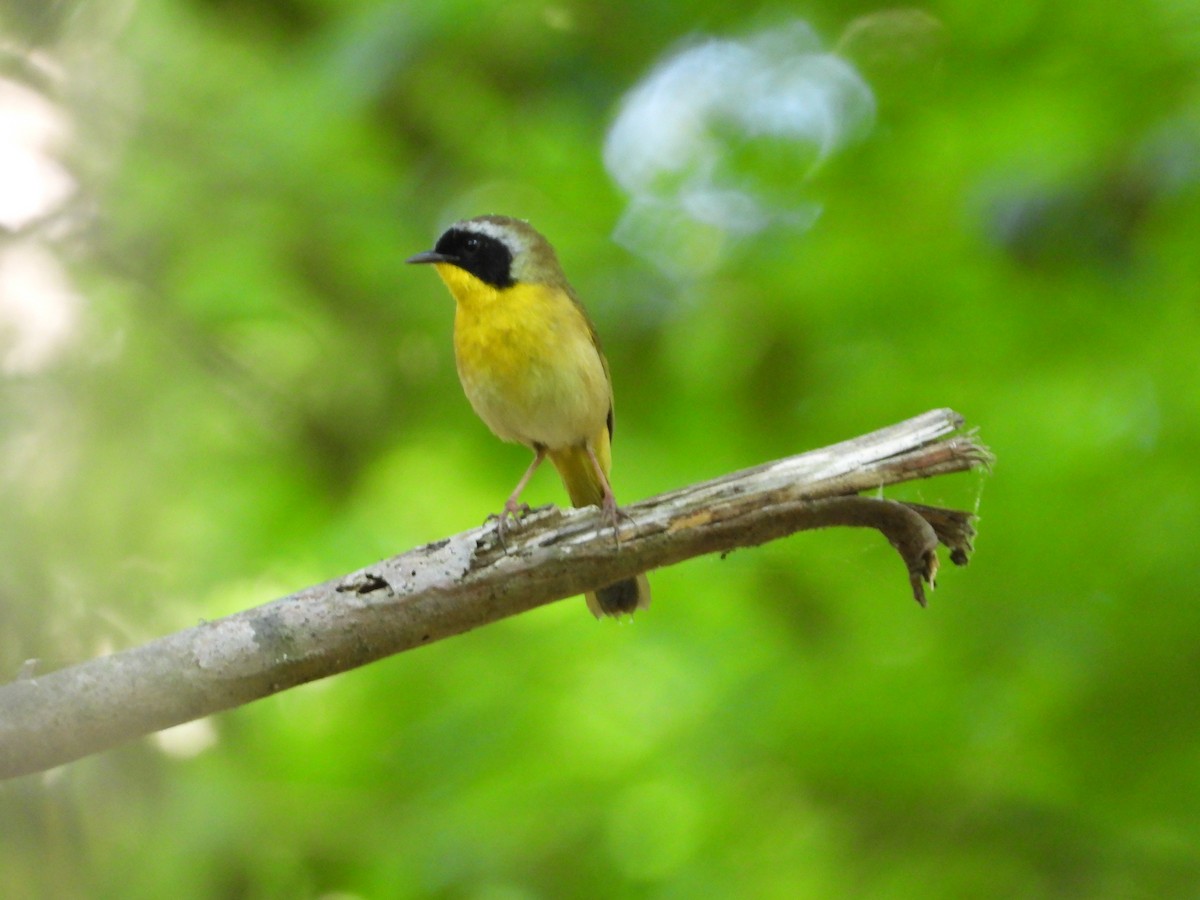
531, 365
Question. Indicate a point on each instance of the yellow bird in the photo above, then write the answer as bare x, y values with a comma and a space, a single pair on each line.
530, 364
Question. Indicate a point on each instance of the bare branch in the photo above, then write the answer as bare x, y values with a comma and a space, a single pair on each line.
469, 580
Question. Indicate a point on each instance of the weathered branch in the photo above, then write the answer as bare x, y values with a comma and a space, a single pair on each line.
469, 580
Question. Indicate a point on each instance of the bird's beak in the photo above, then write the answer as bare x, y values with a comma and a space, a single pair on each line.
429, 256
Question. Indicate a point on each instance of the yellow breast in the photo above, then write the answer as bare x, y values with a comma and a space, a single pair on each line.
528, 361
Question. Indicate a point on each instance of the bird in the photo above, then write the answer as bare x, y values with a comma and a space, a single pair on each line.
530, 363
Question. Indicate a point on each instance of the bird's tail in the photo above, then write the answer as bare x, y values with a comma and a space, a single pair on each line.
585, 489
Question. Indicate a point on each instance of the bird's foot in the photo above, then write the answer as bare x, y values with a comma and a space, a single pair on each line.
511, 514
614, 514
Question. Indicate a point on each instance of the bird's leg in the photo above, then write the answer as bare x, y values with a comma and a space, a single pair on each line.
513, 507
608, 502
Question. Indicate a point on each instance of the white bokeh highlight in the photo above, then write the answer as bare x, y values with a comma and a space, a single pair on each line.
674, 144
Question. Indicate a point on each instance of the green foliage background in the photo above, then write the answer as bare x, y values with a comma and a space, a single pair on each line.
260, 395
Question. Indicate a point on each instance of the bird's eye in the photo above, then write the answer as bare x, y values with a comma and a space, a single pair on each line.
471, 244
